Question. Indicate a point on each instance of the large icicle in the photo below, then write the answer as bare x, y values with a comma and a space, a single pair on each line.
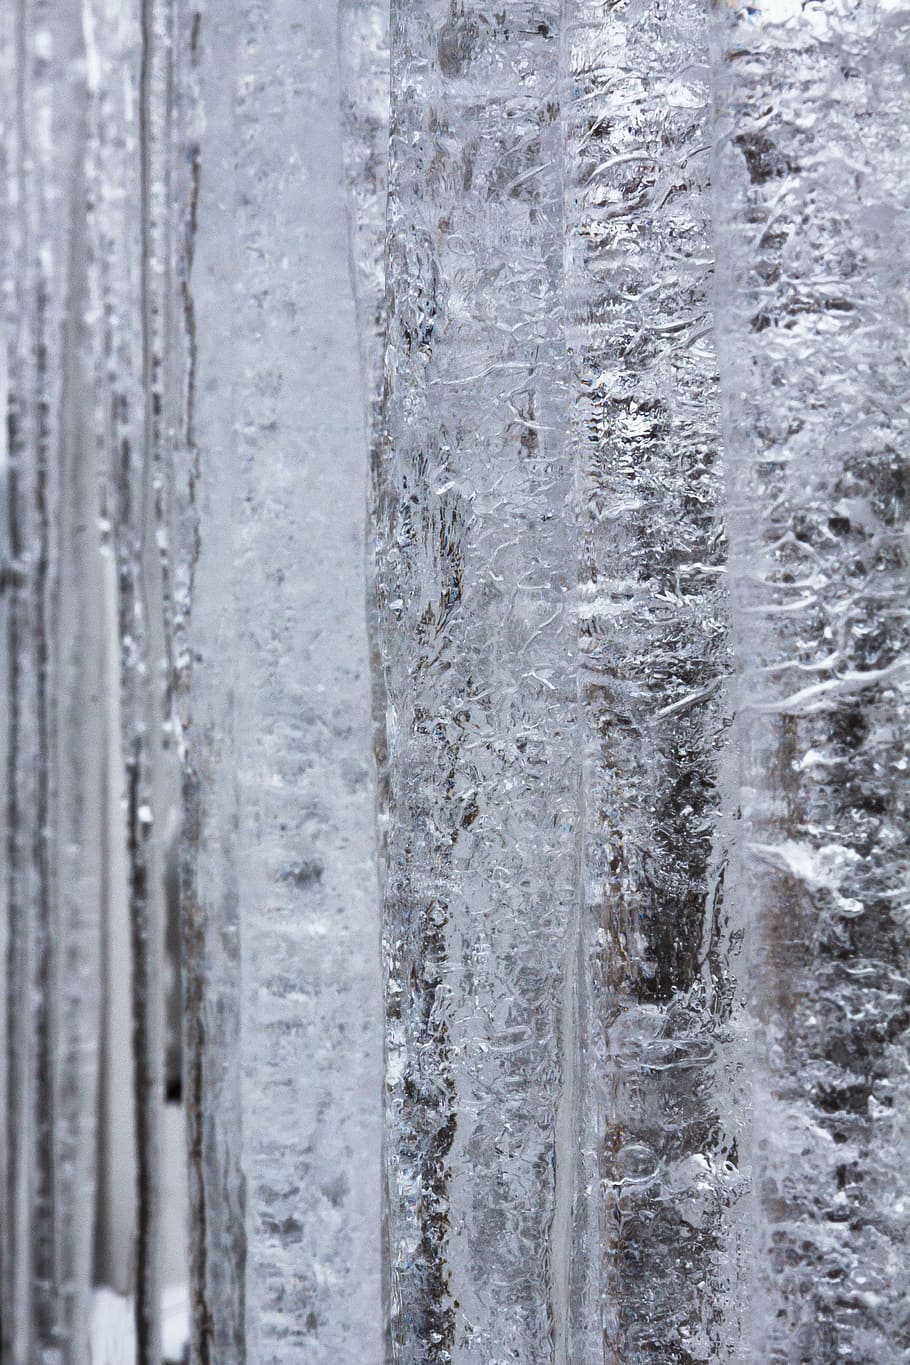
476, 581
209, 880
656, 1242
52, 744
205, 626
128, 62
813, 210
286, 907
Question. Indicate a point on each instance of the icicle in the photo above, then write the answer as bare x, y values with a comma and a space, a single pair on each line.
128, 62
53, 715
656, 934
813, 194
475, 596
21, 738
280, 739
210, 879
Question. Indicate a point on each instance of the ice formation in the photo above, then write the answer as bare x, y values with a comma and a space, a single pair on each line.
453, 560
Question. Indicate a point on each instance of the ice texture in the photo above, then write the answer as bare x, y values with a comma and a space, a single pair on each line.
284, 922
544, 888
475, 595
655, 1235
812, 192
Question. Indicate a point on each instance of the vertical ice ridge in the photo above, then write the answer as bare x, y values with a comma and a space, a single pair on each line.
812, 209
153, 596
476, 570
570, 1238
16, 1311
654, 653
110, 35
576, 1231
42, 302
366, 108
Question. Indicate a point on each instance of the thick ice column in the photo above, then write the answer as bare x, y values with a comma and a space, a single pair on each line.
475, 592
287, 903
813, 207
206, 586
656, 1259
53, 716
128, 64
206, 637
